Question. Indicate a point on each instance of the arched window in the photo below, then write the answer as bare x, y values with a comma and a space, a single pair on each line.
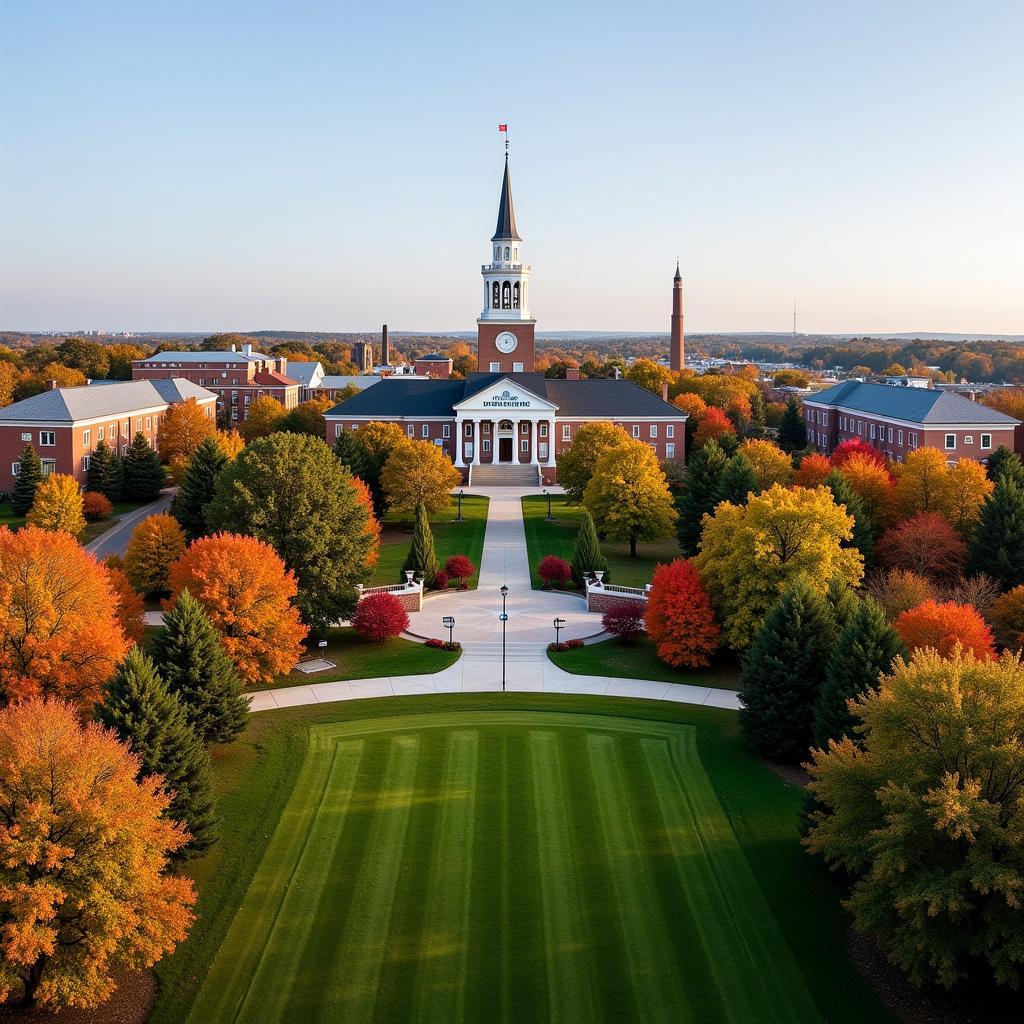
505, 425
506, 296
497, 252
515, 254
506, 252
515, 295
496, 296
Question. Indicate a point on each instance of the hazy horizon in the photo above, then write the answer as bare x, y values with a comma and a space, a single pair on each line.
194, 167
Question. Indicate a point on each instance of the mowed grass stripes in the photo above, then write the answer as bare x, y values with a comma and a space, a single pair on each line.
519, 866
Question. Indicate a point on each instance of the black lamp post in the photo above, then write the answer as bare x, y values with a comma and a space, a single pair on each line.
549, 516
504, 622
449, 623
559, 626
458, 518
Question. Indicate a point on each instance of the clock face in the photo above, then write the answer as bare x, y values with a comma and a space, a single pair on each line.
506, 342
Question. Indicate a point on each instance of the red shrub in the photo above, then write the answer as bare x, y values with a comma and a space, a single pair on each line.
96, 505
847, 449
926, 545
441, 580
461, 568
624, 620
943, 626
554, 571
380, 617
679, 616
813, 470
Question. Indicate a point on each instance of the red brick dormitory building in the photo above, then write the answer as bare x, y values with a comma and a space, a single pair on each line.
506, 422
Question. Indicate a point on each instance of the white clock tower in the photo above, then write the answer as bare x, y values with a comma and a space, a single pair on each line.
505, 341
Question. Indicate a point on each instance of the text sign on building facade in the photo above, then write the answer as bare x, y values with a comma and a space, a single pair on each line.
506, 400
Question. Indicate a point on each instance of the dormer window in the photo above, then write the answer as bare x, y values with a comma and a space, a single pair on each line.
506, 252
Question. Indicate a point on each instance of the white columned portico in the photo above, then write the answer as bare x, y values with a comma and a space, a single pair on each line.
476, 441
551, 443
533, 442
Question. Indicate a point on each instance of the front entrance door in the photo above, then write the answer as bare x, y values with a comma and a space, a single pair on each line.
504, 449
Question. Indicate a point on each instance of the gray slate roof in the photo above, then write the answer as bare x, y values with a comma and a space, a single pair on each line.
506, 229
594, 399
302, 372
68, 405
915, 405
205, 357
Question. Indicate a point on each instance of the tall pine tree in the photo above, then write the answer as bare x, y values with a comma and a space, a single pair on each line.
792, 430
421, 557
784, 671
865, 649
863, 534
139, 708
1002, 460
736, 482
586, 554
703, 474
842, 600
197, 488
144, 476
30, 475
997, 547
106, 472
192, 662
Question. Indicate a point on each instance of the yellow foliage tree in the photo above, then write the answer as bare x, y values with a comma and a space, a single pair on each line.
919, 481
749, 552
576, 463
380, 439
649, 375
156, 543
58, 505
716, 389
182, 429
771, 465
962, 492
418, 472
262, 418
230, 443
8, 378
629, 497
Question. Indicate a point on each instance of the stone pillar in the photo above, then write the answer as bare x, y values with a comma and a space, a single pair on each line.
551, 443
460, 462
477, 445
534, 461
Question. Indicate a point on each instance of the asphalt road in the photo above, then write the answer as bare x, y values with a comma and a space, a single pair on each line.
115, 540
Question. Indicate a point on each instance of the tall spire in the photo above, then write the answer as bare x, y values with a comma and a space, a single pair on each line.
678, 276
506, 229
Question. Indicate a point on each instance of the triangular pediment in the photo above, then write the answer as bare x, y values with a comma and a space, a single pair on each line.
504, 396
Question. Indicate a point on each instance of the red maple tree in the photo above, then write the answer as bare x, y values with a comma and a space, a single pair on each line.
924, 544
679, 618
624, 620
847, 449
380, 617
459, 567
554, 571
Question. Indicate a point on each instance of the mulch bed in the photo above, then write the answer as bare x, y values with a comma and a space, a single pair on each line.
130, 1004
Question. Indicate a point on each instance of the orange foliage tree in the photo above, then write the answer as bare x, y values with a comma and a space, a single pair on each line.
1008, 619
129, 607
84, 889
926, 545
182, 429
846, 450
242, 584
813, 470
372, 528
873, 484
156, 543
1006, 400
679, 617
943, 626
712, 424
897, 590
59, 632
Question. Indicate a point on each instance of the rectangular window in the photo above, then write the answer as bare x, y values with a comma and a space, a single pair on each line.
654, 430
524, 446
670, 430
986, 440
487, 446
968, 439
354, 426
524, 428
890, 435
824, 419
543, 430
86, 438
28, 437
411, 430
495, 367
425, 432
636, 430
85, 463
913, 439
950, 441
49, 467
47, 438
566, 432
670, 450
149, 422
899, 437
860, 427
542, 452
517, 367
99, 433
15, 468
469, 430
446, 430
872, 431
487, 426
337, 430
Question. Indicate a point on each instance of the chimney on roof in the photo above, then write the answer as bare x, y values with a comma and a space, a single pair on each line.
232, 346
385, 348
51, 385
572, 373
664, 392
618, 372
247, 350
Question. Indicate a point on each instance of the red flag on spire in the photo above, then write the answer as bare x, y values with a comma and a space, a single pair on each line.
502, 127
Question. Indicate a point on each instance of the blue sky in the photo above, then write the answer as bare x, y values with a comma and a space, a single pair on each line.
326, 166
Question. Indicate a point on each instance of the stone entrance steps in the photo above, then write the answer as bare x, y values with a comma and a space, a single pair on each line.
504, 475
490, 652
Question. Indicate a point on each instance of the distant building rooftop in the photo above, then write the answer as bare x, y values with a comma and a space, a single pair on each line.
916, 405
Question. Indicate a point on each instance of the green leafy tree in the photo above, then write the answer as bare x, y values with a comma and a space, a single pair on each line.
30, 476
737, 481
586, 553
197, 488
703, 474
784, 671
290, 491
88, 356
865, 649
863, 538
792, 430
145, 715
144, 476
106, 472
192, 662
351, 453
997, 547
421, 559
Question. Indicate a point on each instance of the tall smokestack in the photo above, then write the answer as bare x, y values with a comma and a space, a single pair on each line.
385, 348
676, 346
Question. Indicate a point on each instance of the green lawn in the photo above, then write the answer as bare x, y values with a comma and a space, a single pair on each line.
92, 530
559, 536
503, 857
450, 538
638, 660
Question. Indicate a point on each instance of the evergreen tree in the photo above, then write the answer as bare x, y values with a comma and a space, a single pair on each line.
1001, 460
141, 711
351, 453
197, 488
792, 430
703, 473
106, 472
586, 554
865, 649
863, 534
191, 660
144, 476
997, 547
842, 600
30, 475
736, 482
784, 671
421, 558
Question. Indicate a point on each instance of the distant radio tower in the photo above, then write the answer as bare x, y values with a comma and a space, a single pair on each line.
794, 318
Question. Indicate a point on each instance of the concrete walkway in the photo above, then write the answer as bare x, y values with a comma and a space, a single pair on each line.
115, 540
529, 630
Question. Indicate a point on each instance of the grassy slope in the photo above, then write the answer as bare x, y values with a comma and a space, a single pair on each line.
558, 537
92, 530
450, 538
638, 660
254, 778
